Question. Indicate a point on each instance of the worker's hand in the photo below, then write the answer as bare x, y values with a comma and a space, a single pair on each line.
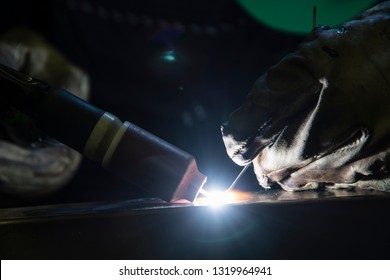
321, 117
32, 164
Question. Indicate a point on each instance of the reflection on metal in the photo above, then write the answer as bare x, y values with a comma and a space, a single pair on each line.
239, 197
138, 206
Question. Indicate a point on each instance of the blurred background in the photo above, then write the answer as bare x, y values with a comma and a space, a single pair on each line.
175, 68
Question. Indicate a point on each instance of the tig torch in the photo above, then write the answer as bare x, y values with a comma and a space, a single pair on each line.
127, 150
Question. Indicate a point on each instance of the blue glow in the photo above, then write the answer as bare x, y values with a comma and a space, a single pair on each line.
168, 56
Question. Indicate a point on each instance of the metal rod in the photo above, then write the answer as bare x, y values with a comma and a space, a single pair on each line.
239, 176
314, 17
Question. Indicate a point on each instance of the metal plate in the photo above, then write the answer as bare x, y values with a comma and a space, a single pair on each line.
271, 225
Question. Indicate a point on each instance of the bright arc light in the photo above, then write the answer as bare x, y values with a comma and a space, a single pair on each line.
217, 198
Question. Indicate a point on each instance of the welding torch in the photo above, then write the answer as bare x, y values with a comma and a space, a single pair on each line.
127, 150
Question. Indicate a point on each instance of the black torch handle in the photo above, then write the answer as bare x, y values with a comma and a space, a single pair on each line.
127, 150
67, 117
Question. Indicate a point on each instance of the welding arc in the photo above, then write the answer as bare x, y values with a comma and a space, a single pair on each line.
204, 192
239, 177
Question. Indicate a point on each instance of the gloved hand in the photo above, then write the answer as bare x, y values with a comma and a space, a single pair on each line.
321, 117
31, 163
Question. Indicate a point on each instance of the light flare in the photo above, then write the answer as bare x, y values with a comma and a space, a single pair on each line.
219, 198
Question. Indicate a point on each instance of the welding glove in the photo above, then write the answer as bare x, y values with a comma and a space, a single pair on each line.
31, 163
321, 116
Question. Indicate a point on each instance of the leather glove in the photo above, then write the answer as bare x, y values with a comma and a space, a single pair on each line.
321, 116
31, 163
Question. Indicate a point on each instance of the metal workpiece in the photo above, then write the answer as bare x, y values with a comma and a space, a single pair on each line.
307, 225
